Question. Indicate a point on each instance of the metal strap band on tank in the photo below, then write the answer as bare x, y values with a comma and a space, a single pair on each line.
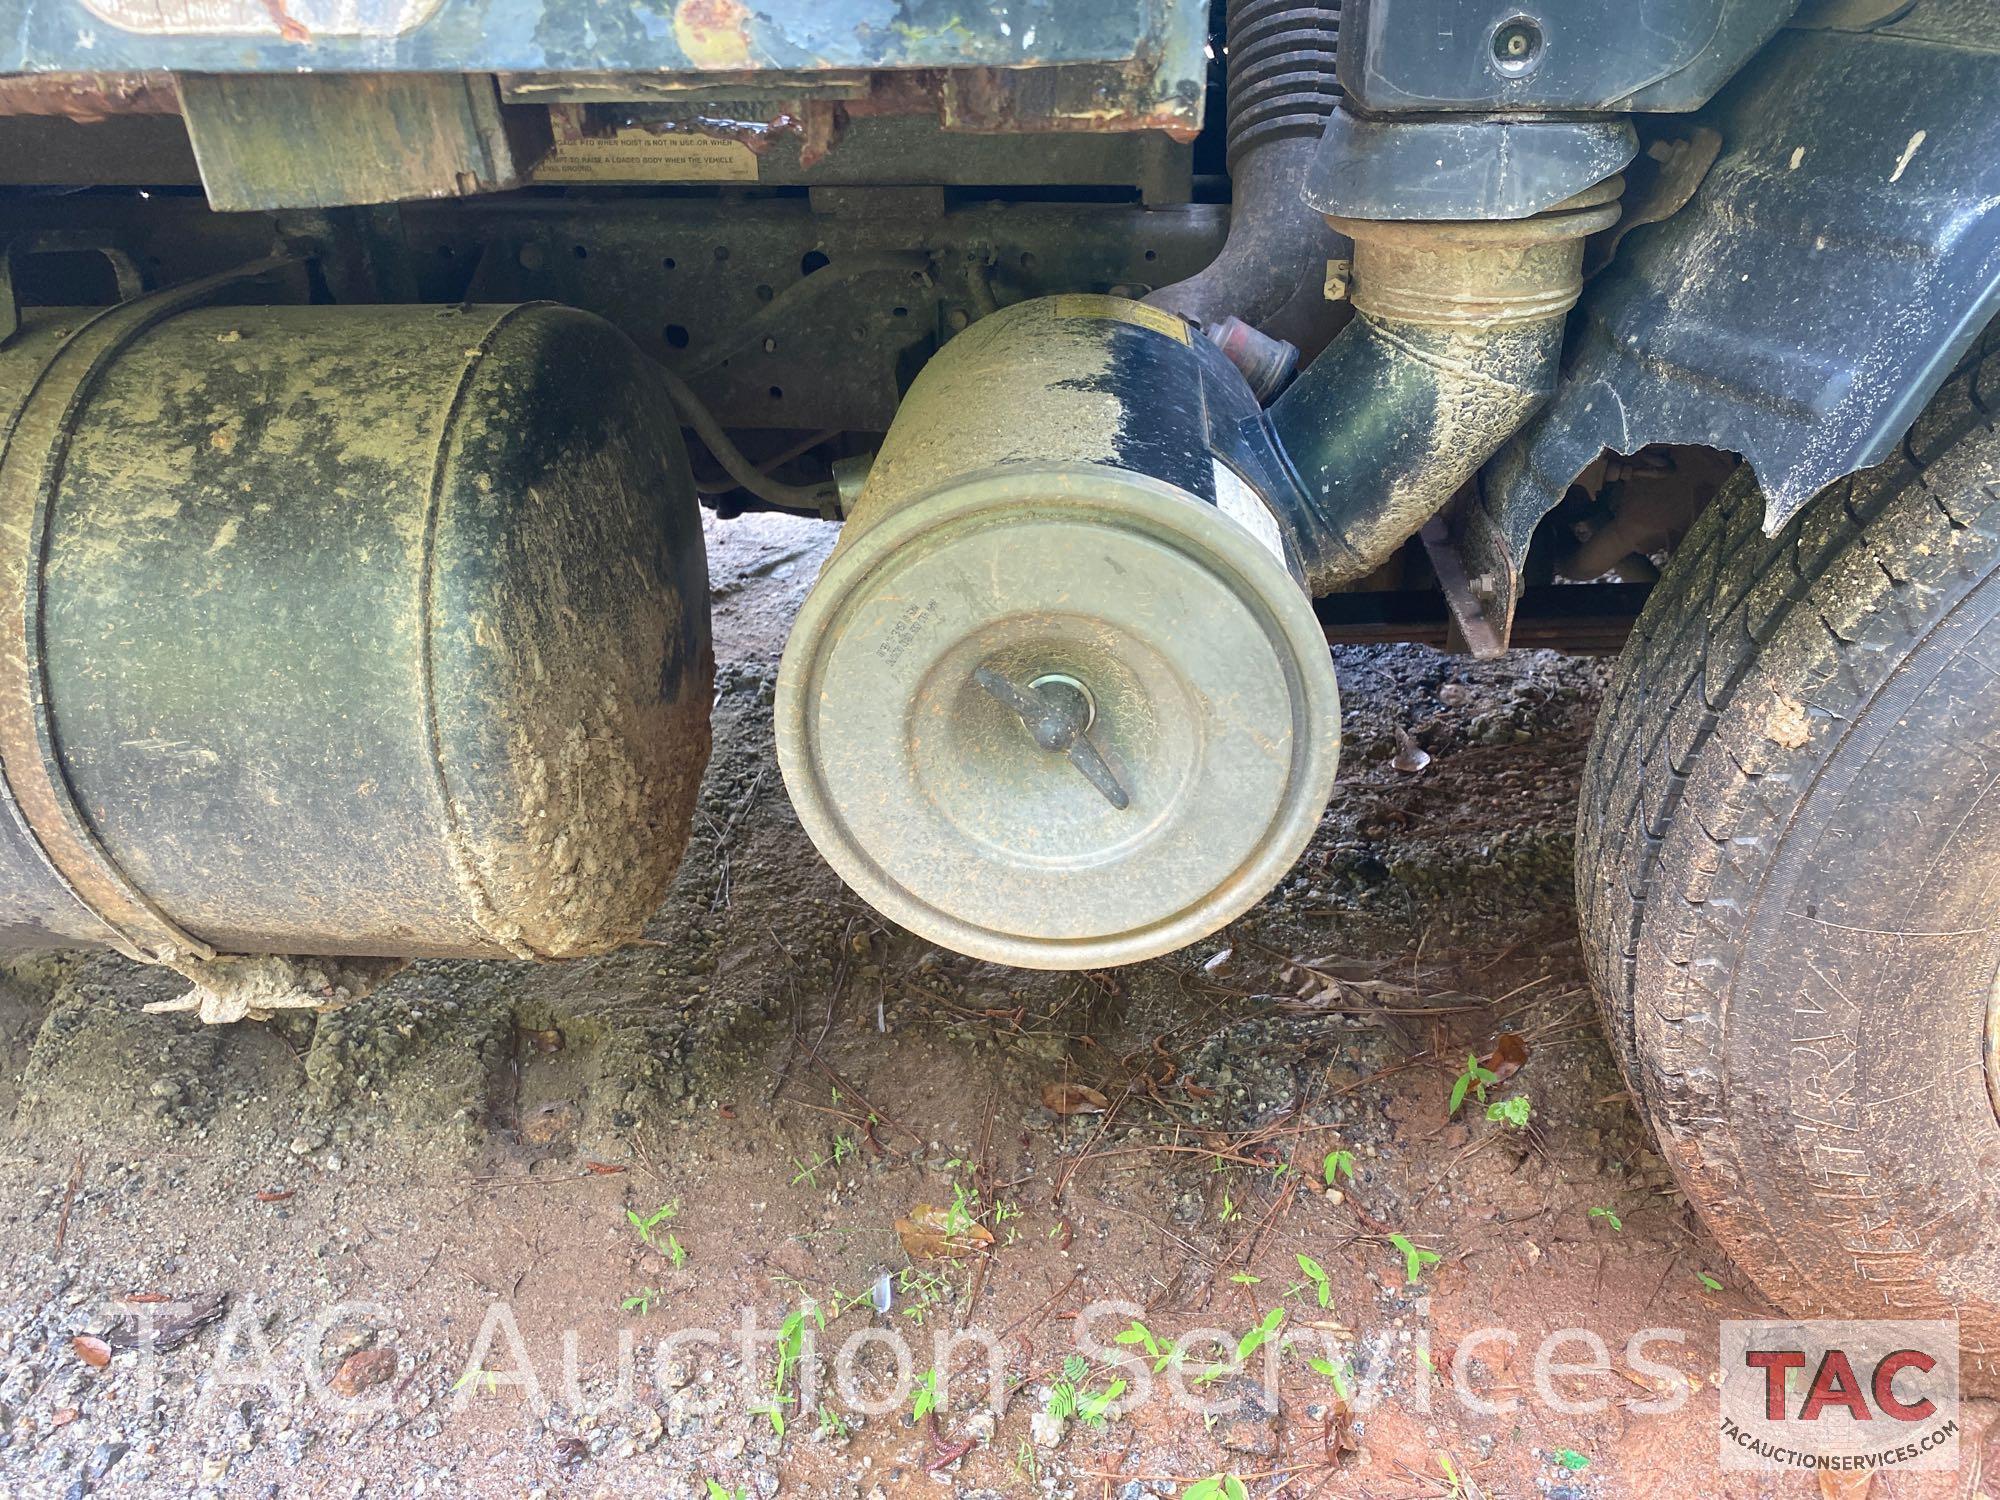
31, 470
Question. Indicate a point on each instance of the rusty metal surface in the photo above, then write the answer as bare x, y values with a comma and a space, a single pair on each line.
87, 97
1470, 625
877, 137
1085, 98
687, 275
1158, 44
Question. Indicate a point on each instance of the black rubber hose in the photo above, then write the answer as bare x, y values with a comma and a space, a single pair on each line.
1281, 88
1281, 84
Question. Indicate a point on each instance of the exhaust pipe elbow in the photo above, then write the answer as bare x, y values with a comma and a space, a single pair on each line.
1457, 332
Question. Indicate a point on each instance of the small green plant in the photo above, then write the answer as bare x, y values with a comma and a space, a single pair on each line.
964, 1211
843, 1147
642, 1301
1709, 1281
1322, 1287
1512, 1111
831, 1423
1473, 1080
489, 1378
1027, 1463
722, 1492
1230, 1212
791, 1350
676, 1251
1259, 1336
791, 1344
922, 1291
1414, 1259
1246, 1346
1340, 1374
1159, 1350
1216, 1487
1074, 1368
1244, 1278
1451, 1474
645, 1227
1608, 1217
1572, 1460
1071, 1397
1337, 1164
924, 1399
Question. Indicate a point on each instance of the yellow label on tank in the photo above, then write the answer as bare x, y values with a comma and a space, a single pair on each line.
1120, 310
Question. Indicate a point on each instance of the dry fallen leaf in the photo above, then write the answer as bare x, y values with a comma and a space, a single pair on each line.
276, 1195
1504, 1061
932, 1233
543, 1041
1338, 1435
362, 1369
92, 1351
1073, 1099
603, 1168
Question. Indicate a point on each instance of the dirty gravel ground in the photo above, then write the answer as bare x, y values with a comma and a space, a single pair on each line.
731, 1121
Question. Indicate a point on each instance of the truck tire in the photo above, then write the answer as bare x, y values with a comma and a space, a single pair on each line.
1788, 877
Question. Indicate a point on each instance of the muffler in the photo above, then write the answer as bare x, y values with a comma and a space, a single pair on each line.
342, 631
